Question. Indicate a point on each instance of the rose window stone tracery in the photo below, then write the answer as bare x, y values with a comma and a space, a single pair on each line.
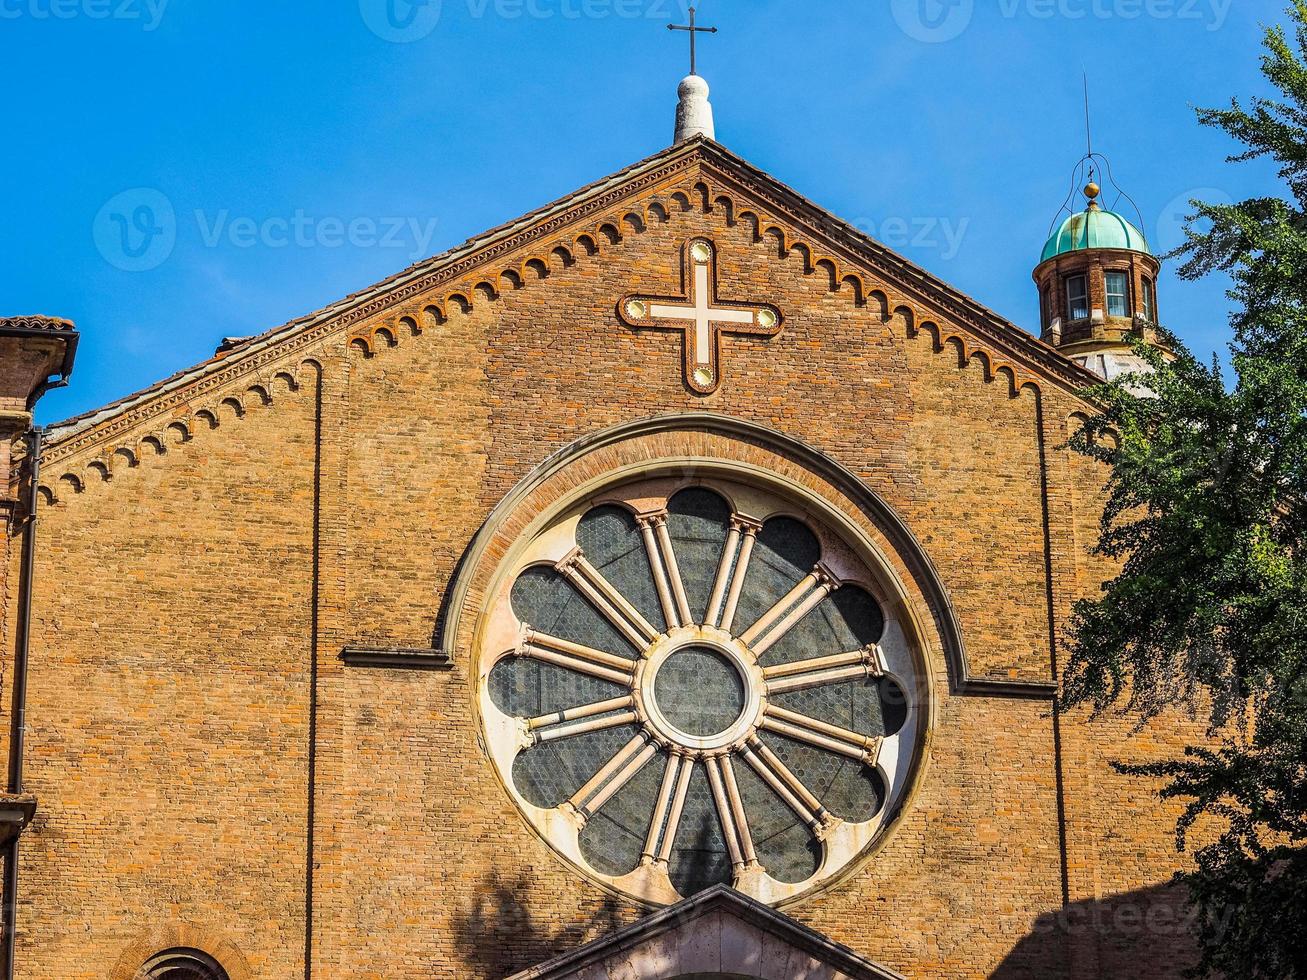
684, 684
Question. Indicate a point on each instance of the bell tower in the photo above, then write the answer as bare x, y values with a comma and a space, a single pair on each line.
1097, 282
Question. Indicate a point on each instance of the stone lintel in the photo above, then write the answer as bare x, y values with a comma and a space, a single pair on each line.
16, 812
1002, 687
397, 658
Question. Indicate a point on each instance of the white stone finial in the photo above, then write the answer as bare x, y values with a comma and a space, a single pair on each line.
694, 114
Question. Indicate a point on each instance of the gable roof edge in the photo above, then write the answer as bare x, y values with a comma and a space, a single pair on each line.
995, 329
717, 898
725, 166
346, 311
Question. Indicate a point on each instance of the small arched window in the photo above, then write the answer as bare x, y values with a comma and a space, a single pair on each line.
1077, 297
1118, 294
1150, 300
182, 964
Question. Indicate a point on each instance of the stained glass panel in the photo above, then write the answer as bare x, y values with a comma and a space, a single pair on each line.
698, 521
611, 541
527, 688
699, 691
699, 858
547, 775
784, 553
847, 794
847, 620
785, 844
613, 838
547, 601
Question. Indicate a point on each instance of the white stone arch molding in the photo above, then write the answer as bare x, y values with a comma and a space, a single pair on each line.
450, 619
779, 798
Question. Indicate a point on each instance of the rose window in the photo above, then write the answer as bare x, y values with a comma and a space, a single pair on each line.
690, 684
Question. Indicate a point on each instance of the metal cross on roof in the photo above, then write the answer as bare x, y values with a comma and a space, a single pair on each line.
695, 31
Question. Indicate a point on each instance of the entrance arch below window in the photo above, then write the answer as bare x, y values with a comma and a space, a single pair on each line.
183, 964
719, 934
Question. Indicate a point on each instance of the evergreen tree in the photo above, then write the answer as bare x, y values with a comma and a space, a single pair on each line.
1205, 513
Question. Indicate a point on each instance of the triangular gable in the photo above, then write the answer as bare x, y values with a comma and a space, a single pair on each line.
461, 259
718, 931
826, 241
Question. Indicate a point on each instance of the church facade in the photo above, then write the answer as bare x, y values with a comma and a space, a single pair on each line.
667, 583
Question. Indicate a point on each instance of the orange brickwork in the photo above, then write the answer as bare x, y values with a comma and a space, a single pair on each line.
207, 767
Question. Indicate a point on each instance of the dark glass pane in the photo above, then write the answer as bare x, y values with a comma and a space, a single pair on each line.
848, 620
1117, 294
815, 768
698, 522
844, 786
526, 688
614, 837
699, 857
784, 843
549, 774
856, 794
547, 602
611, 541
893, 706
785, 552
1077, 298
699, 691
856, 706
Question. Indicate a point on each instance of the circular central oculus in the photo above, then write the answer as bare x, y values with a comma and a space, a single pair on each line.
700, 691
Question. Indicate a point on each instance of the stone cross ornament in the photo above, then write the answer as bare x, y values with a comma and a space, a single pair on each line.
701, 316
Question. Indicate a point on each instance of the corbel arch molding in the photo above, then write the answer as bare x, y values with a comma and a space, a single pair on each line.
180, 935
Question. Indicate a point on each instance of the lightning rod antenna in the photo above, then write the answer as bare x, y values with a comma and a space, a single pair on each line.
1089, 133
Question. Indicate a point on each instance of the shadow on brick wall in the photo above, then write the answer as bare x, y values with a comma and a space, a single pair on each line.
1139, 935
499, 935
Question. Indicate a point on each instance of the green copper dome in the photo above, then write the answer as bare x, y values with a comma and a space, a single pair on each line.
1095, 228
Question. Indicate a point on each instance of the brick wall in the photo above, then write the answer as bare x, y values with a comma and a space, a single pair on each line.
182, 601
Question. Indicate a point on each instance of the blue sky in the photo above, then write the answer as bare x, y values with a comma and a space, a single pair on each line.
291, 153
